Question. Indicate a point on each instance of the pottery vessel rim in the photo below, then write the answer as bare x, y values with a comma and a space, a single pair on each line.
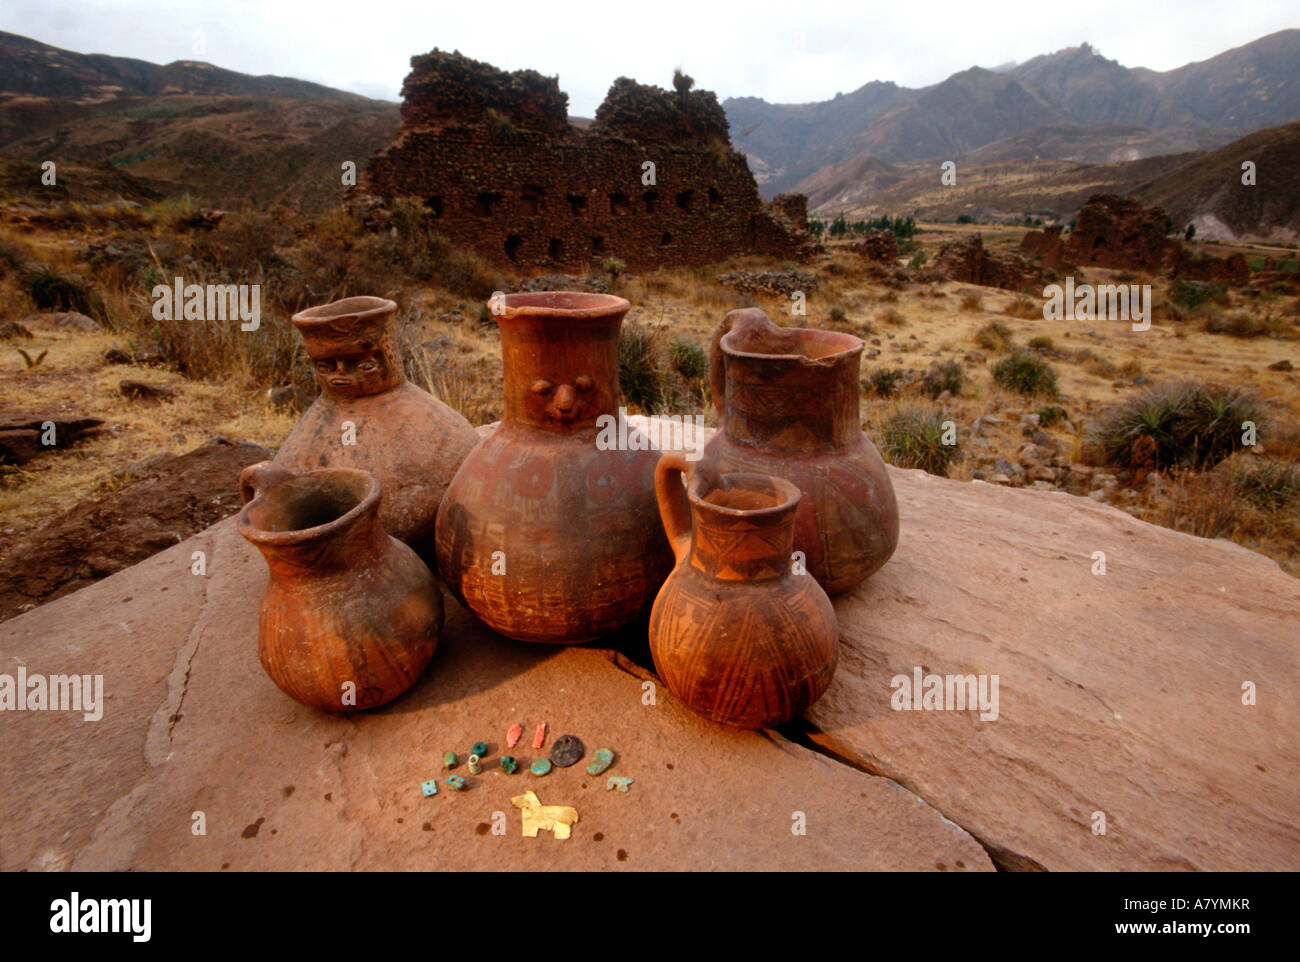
569, 305
304, 535
849, 345
349, 308
701, 485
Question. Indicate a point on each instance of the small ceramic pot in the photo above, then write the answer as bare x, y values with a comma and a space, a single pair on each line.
740, 632
351, 615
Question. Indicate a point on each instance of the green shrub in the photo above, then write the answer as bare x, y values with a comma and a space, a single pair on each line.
51, 291
688, 359
913, 438
838, 314
1270, 485
883, 381
1042, 343
942, 376
1052, 414
1192, 294
1025, 373
613, 267
994, 336
972, 301
641, 372
1181, 424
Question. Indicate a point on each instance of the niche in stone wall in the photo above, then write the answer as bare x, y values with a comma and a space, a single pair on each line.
530, 199
715, 198
666, 239
484, 203
512, 246
651, 199
685, 199
598, 244
619, 204
555, 249
434, 204
577, 204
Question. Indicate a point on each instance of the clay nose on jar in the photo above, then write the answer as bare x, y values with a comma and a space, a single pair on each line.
564, 398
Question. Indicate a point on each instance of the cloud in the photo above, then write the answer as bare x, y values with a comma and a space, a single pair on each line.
784, 51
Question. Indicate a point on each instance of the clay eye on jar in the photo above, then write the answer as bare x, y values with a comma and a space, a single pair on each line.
542, 386
583, 382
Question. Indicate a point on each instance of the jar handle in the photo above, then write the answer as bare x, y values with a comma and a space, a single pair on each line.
255, 479
742, 319
674, 508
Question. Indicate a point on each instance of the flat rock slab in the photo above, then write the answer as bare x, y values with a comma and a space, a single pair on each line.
192, 724
1120, 704
1119, 693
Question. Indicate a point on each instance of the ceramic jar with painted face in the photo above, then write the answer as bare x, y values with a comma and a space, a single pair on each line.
368, 416
788, 400
548, 533
351, 615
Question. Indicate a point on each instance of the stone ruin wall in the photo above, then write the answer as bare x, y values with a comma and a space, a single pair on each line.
503, 172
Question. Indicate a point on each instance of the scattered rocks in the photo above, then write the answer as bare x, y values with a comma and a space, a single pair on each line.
775, 283
14, 331
62, 321
144, 391
166, 499
1282, 365
24, 436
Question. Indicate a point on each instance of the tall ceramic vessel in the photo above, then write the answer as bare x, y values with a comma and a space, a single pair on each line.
737, 633
788, 400
546, 534
368, 416
351, 615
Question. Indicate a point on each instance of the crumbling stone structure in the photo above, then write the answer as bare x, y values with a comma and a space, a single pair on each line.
652, 181
966, 260
880, 246
1118, 232
1045, 245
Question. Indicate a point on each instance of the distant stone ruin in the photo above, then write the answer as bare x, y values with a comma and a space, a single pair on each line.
967, 260
1118, 232
652, 181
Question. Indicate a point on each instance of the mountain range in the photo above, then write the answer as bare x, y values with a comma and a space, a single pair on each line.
1074, 104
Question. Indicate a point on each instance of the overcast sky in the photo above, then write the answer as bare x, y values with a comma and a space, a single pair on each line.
787, 52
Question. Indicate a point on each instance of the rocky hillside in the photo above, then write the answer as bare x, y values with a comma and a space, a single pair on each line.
1207, 104
1207, 190
226, 138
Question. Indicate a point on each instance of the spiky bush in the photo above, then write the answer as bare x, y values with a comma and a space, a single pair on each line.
642, 374
1025, 373
883, 381
913, 438
942, 376
688, 359
1270, 485
1187, 423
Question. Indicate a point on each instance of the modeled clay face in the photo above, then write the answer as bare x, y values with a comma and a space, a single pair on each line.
354, 375
577, 400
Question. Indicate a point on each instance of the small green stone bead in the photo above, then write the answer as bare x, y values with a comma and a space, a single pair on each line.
449, 760
601, 759
479, 749
456, 783
540, 767
429, 788
508, 764
475, 766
